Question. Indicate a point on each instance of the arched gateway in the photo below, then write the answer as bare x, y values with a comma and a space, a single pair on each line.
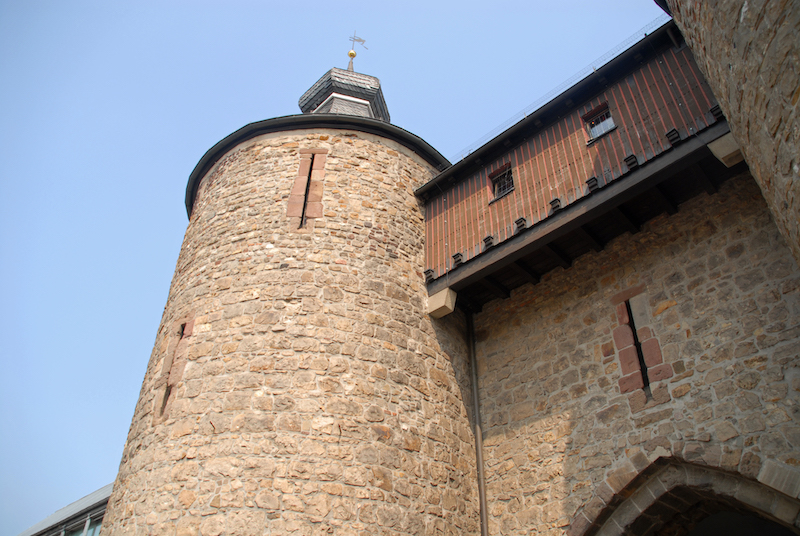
676, 498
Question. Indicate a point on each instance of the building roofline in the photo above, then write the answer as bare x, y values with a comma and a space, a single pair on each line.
554, 109
310, 121
582, 211
80, 507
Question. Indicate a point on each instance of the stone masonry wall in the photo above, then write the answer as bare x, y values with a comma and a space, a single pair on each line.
296, 385
718, 294
749, 52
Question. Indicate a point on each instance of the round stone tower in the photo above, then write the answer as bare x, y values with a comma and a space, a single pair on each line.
296, 385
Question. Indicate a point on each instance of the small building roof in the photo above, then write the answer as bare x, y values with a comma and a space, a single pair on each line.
76, 509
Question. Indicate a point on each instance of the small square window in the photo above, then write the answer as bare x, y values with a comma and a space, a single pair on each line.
599, 121
502, 181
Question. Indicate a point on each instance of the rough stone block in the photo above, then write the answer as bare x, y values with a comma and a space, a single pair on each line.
785, 510
726, 150
639, 461
661, 372
315, 190
637, 401
631, 382
681, 390
754, 496
306, 152
619, 478
750, 465
663, 306
442, 303
627, 294
188, 328
622, 314
320, 159
651, 351
725, 431
314, 209
608, 414
295, 206
644, 333
640, 310
781, 477
660, 394
305, 165
605, 492
578, 525
653, 417
299, 187
623, 336
629, 360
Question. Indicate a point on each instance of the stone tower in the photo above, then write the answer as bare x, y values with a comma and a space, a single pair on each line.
296, 385
750, 54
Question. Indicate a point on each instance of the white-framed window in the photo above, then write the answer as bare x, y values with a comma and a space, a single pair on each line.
502, 181
599, 121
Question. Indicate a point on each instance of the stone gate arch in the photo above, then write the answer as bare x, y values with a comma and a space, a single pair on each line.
672, 497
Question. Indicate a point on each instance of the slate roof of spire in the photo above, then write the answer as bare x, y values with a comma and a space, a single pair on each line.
341, 81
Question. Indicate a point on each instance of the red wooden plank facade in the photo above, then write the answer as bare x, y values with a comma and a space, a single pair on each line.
666, 92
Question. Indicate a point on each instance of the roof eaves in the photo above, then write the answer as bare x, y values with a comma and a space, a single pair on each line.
309, 121
525, 126
76, 509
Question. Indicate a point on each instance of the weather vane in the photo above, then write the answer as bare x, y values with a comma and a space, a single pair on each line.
355, 39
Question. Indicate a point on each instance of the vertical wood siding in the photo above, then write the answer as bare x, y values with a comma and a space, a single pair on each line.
667, 92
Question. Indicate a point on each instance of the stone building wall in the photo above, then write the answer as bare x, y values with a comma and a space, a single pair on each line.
715, 299
296, 385
749, 52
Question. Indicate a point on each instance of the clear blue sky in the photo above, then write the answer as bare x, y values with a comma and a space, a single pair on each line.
106, 109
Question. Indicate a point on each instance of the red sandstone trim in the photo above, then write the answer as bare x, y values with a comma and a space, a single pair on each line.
627, 294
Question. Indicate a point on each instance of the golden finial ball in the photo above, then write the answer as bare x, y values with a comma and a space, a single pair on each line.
352, 53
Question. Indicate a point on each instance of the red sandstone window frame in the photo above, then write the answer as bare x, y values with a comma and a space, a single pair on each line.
305, 198
172, 367
638, 349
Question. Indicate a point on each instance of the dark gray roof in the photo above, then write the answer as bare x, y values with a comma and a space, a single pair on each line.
81, 506
360, 86
341, 104
582, 90
297, 122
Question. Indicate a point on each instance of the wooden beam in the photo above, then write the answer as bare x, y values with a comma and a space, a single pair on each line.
705, 181
663, 199
528, 272
495, 286
625, 219
672, 37
557, 255
467, 305
593, 241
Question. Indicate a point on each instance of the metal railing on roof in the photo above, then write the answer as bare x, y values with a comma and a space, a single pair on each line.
574, 79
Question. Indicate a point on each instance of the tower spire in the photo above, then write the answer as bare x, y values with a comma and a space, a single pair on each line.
346, 92
352, 54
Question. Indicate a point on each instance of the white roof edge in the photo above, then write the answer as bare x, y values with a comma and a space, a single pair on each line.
85, 504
